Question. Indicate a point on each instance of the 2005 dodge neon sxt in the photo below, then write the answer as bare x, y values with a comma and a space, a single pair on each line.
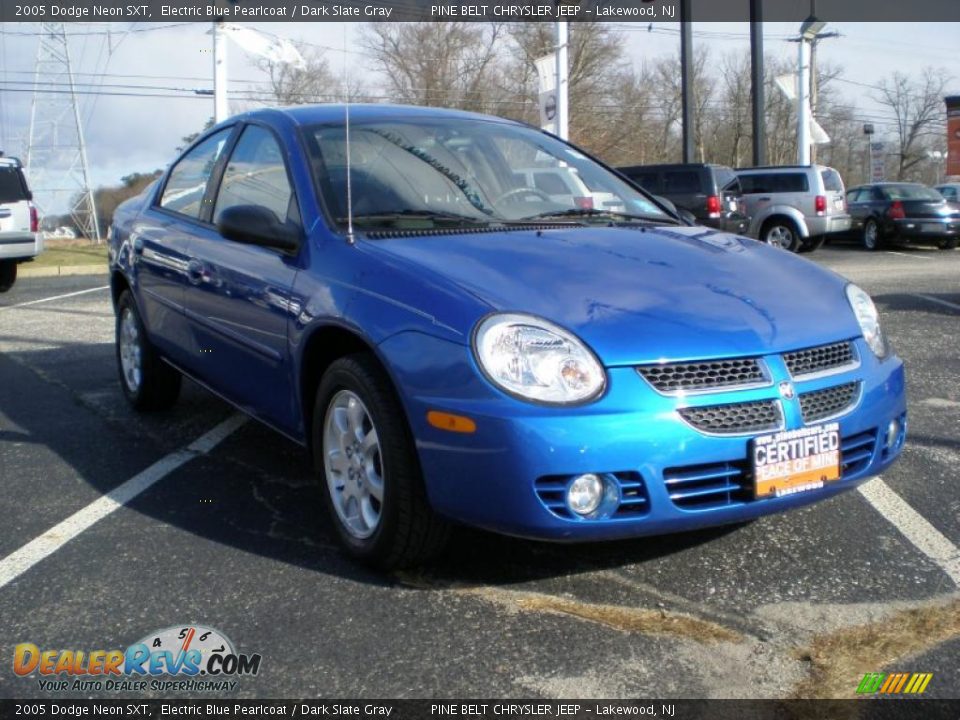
466, 319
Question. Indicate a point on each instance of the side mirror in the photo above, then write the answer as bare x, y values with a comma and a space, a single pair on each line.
256, 225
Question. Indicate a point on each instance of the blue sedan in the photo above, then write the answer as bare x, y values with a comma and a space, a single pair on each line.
465, 319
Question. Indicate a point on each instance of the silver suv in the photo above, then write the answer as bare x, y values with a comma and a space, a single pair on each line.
19, 224
795, 207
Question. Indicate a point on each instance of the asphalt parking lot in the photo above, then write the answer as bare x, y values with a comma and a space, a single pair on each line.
231, 536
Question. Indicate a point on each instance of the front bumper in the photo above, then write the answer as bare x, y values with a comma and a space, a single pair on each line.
491, 478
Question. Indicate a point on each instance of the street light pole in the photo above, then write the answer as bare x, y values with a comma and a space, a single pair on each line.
803, 104
563, 87
220, 109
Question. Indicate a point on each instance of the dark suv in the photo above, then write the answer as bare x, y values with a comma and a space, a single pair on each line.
711, 192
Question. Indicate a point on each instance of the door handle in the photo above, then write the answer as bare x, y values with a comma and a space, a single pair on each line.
195, 271
764, 199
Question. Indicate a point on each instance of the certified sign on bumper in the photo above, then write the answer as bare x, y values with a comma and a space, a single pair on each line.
796, 460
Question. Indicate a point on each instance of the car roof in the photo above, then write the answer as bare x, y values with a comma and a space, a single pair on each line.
10, 161
767, 168
674, 166
362, 112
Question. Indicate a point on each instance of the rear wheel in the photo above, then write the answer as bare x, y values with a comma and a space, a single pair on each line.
948, 244
365, 459
781, 233
871, 235
8, 274
147, 381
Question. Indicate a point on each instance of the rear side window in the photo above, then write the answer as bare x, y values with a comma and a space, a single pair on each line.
649, 181
831, 180
255, 175
188, 180
791, 182
681, 181
13, 188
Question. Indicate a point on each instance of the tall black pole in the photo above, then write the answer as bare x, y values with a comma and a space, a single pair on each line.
686, 79
756, 83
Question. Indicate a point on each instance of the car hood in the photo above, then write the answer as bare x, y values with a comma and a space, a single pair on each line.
638, 295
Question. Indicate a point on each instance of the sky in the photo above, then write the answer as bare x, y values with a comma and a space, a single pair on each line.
136, 134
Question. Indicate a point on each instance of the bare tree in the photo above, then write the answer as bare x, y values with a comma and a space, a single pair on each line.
918, 111
312, 83
450, 64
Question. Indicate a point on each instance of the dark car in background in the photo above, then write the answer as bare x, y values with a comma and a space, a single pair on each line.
902, 212
710, 192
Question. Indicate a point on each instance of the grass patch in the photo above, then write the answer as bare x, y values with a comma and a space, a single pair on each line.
71, 253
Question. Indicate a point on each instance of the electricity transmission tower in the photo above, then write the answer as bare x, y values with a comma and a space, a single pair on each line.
56, 160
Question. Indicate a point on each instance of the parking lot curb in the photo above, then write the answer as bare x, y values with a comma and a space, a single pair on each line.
62, 270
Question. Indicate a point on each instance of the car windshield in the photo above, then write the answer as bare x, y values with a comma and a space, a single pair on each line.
457, 172
909, 192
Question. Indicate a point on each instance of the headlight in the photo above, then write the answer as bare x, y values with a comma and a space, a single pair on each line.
869, 319
537, 360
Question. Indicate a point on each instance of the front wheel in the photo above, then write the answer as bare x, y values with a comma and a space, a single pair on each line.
148, 383
781, 234
8, 274
365, 459
871, 235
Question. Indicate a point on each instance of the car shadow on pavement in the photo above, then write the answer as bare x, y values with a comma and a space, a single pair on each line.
907, 302
255, 492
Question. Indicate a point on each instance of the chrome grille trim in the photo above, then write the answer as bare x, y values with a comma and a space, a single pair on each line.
822, 360
829, 403
744, 418
705, 376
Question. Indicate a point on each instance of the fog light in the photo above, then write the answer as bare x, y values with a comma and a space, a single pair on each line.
585, 493
893, 432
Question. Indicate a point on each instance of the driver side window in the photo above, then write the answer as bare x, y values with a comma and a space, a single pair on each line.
256, 175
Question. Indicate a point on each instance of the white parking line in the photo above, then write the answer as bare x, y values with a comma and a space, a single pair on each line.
938, 301
55, 297
907, 255
914, 527
19, 561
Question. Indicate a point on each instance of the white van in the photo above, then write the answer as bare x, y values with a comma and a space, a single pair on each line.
19, 223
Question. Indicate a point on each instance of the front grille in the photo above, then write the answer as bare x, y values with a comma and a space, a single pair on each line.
819, 359
634, 503
828, 403
735, 418
701, 487
707, 375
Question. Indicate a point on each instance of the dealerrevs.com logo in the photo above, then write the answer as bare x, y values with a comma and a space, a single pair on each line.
185, 658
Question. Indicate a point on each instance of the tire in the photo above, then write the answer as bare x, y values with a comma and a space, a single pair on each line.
812, 244
948, 244
147, 381
871, 235
8, 274
356, 402
781, 233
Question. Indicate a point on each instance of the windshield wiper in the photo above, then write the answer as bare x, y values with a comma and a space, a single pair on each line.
410, 214
592, 212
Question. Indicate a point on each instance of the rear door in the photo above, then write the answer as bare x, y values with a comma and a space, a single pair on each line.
161, 239
859, 206
685, 189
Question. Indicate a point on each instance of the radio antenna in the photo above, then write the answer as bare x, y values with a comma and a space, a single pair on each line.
346, 123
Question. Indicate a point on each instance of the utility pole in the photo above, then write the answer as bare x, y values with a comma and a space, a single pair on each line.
221, 110
563, 86
686, 79
56, 152
756, 84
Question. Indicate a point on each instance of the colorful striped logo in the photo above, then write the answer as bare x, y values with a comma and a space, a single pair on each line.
894, 683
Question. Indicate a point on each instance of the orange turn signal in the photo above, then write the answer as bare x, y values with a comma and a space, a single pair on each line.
453, 423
